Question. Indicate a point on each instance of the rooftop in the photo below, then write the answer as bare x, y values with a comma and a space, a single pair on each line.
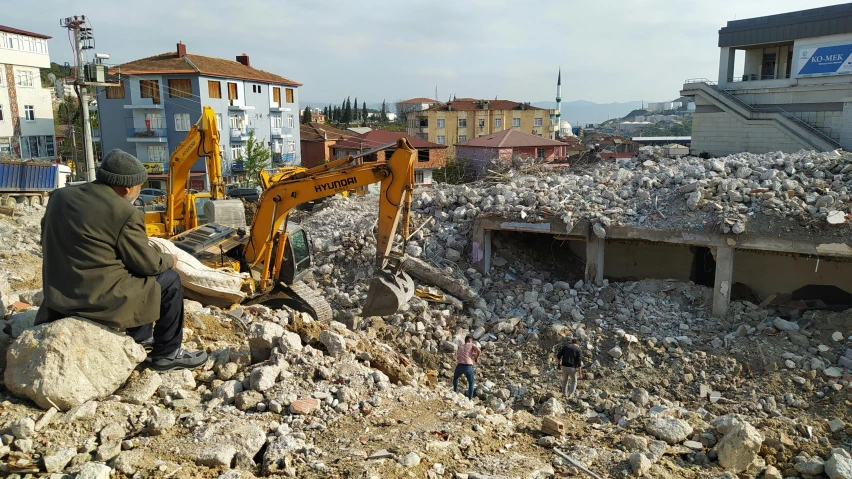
314, 131
510, 139
786, 27
191, 64
377, 138
470, 104
420, 100
4, 28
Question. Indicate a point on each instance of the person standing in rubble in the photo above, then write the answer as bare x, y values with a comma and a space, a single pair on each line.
98, 264
570, 358
467, 354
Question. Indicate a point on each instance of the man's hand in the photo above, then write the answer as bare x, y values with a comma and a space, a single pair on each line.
174, 260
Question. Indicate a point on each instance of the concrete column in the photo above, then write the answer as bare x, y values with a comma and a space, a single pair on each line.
724, 280
481, 248
594, 259
726, 65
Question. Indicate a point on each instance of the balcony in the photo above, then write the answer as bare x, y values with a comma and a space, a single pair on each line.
235, 106
149, 135
145, 105
241, 134
276, 132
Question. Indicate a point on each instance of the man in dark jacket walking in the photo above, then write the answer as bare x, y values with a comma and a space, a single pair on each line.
570, 358
97, 264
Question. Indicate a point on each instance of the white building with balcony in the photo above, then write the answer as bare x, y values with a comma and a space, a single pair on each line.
26, 112
161, 97
785, 83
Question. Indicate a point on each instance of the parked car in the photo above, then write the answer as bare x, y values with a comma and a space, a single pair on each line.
148, 194
249, 194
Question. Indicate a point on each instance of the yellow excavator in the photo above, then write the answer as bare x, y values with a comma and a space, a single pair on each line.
276, 253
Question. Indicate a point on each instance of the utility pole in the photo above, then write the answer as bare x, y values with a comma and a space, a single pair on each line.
83, 40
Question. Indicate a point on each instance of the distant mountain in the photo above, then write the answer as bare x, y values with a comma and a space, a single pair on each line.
323, 104
581, 112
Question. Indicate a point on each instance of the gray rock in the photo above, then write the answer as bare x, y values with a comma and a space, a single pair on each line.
161, 421
739, 447
334, 343
56, 462
44, 363
228, 391
23, 428
247, 400
290, 342
784, 325
668, 429
264, 377
141, 387
278, 455
94, 470
263, 335
615, 352
839, 465
216, 456
836, 425
812, 466
634, 443
129, 462
453, 255
640, 464
547, 441
552, 407
599, 230
20, 322
84, 411
409, 460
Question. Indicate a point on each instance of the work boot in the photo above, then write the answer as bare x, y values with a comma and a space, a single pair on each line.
148, 344
179, 359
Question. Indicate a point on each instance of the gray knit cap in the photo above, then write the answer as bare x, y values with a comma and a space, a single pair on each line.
120, 168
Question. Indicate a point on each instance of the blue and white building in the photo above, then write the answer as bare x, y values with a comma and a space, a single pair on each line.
161, 97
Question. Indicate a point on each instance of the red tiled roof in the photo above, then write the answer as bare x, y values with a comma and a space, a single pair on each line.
169, 63
467, 104
376, 138
510, 139
4, 28
420, 100
314, 131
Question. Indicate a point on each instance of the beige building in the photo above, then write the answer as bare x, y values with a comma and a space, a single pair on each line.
464, 119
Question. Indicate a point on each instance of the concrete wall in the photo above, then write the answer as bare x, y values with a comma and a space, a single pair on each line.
625, 260
724, 133
772, 273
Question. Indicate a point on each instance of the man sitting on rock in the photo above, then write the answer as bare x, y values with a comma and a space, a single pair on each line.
97, 264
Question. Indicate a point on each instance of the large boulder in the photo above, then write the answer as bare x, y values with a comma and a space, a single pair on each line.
739, 447
69, 362
669, 429
839, 465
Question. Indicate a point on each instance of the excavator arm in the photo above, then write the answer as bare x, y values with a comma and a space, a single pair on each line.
202, 140
396, 176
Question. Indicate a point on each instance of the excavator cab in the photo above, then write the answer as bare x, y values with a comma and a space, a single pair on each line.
297, 258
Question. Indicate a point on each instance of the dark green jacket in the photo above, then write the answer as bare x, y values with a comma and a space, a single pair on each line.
97, 263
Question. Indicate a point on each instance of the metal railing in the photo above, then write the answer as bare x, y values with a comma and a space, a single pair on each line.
753, 77
146, 132
241, 132
276, 131
752, 110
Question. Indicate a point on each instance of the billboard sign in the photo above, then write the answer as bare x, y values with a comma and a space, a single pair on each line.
153, 168
824, 60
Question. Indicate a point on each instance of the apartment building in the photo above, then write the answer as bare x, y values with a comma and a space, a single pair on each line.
458, 121
160, 98
26, 112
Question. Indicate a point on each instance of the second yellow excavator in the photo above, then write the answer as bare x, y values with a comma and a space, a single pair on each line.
277, 253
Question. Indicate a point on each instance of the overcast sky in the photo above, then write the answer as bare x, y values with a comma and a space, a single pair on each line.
610, 51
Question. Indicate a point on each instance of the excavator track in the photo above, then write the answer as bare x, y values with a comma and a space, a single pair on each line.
298, 296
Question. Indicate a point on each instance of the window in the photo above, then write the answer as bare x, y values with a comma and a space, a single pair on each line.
115, 92
50, 149
214, 89
155, 120
275, 120
235, 121
237, 151
291, 147
29, 112
440, 123
418, 176
498, 123
5, 145
462, 122
259, 89
182, 121
442, 140
291, 122
157, 154
289, 93
276, 95
516, 122
24, 78
180, 88
539, 152
1, 112
481, 123
219, 121
150, 89
232, 91
537, 122
462, 138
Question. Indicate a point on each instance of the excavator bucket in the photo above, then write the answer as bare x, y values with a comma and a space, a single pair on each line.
387, 294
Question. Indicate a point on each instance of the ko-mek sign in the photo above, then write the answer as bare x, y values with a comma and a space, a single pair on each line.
824, 60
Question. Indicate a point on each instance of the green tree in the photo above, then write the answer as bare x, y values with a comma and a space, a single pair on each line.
356, 115
347, 112
363, 112
69, 121
383, 113
306, 117
256, 158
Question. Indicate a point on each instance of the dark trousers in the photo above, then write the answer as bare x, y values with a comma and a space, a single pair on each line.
467, 371
168, 330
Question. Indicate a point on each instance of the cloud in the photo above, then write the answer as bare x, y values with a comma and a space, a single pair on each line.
609, 50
